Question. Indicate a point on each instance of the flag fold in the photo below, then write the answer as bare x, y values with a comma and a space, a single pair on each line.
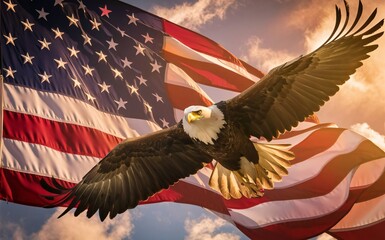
78, 77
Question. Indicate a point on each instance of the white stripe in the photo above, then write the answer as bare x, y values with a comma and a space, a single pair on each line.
174, 46
218, 94
176, 76
305, 170
275, 212
178, 114
363, 214
37, 159
200, 179
368, 173
65, 109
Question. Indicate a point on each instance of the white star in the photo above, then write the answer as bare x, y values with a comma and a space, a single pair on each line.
147, 38
126, 63
112, 44
42, 14
133, 19
45, 77
27, 58
139, 49
158, 98
90, 97
95, 24
148, 106
132, 89
122, 32
73, 51
60, 63
87, 39
104, 87
81, 5
10, 6
27, 25
142, 80
73, 20
88, 70
76, 82
58, 34
44, 44
117, 73
10, 39
10, 72
155, 66
102, 56
165, 124
58, 2
121, 103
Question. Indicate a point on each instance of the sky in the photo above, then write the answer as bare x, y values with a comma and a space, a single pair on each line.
264, 33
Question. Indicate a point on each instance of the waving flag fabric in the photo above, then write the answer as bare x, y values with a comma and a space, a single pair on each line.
80, 76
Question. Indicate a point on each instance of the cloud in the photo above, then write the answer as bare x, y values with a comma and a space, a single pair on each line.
303, 16
264, 58
195, 15
206, 229
70, 227
365, 130
8, 229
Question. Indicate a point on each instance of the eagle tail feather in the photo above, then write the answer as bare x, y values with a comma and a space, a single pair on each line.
234, 184
251, 179
275, 159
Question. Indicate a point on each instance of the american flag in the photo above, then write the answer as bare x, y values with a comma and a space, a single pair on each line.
80, 76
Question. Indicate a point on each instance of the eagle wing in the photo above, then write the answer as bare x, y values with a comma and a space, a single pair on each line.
295, 90
133, 171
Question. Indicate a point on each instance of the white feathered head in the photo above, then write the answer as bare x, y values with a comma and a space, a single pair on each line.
203, 123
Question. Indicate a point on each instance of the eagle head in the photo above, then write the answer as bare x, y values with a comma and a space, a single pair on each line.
203, 123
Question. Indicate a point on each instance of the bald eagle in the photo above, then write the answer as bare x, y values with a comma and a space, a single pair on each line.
137, 168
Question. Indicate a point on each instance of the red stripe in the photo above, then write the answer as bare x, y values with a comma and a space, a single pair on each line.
25, 188
375, 190
182, 97
210, 74
252, 69
373, 231
191, 194
198, 42
64, 137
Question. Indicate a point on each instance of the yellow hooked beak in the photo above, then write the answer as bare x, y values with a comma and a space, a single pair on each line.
193, 116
